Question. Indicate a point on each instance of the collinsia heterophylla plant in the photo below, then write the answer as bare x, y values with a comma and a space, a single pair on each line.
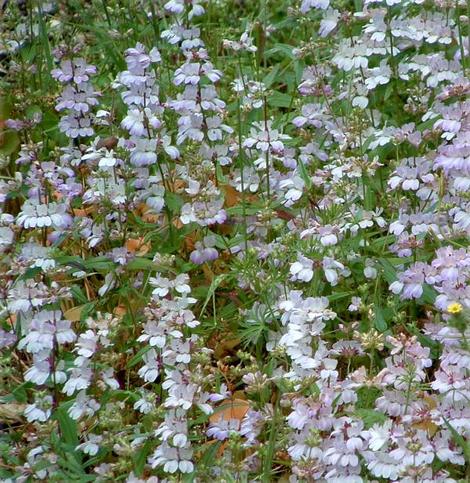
234, 241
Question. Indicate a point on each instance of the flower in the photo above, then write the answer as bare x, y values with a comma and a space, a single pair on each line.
83, 406
454, 308
205, 251
264, 138
41, 410
91, 445
379, 435
307, 5
76, 70
34, 215
146, 403
172, 459
302, 269
223, 428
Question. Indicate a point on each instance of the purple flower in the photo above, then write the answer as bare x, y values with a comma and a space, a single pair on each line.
205, 251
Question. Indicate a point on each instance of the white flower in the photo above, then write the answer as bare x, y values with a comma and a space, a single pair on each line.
39, 411
151, 370
329, 22
378, 75
331, 268
302, 269
295, 189
172, 459
108, 160
6, 237
83, 405
396, 287
223, 428
164, 285
80, 378
107, 377
135, 121
35, 215
86, 344
360, 101
307, 5
264, 138
370, 272
378, 435
146, 403
40, 370
91, 445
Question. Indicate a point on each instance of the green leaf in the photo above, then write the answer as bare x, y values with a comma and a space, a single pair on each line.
279, 99
45, 39
389, 272
173, 201
141, 263
99, 264
68, 427
141, 457
285, 49
216, 281
210, 454
429, 295
78, 294
138, 357
304, 174
339, 295
380, 322
9, 142
269, 79
370, 417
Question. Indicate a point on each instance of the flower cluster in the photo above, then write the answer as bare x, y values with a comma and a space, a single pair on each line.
77, 98
234, 241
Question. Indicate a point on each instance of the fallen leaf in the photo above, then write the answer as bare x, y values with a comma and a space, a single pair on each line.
83, 211
120, 311
208, 273
145, 212
177, 223
137, 246
226, 347
285, 215
232, 196
427, 425
12, 412
74, 313
234, 409
108, 143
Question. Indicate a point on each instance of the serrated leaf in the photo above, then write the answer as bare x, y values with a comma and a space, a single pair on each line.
370, 417
173, 201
